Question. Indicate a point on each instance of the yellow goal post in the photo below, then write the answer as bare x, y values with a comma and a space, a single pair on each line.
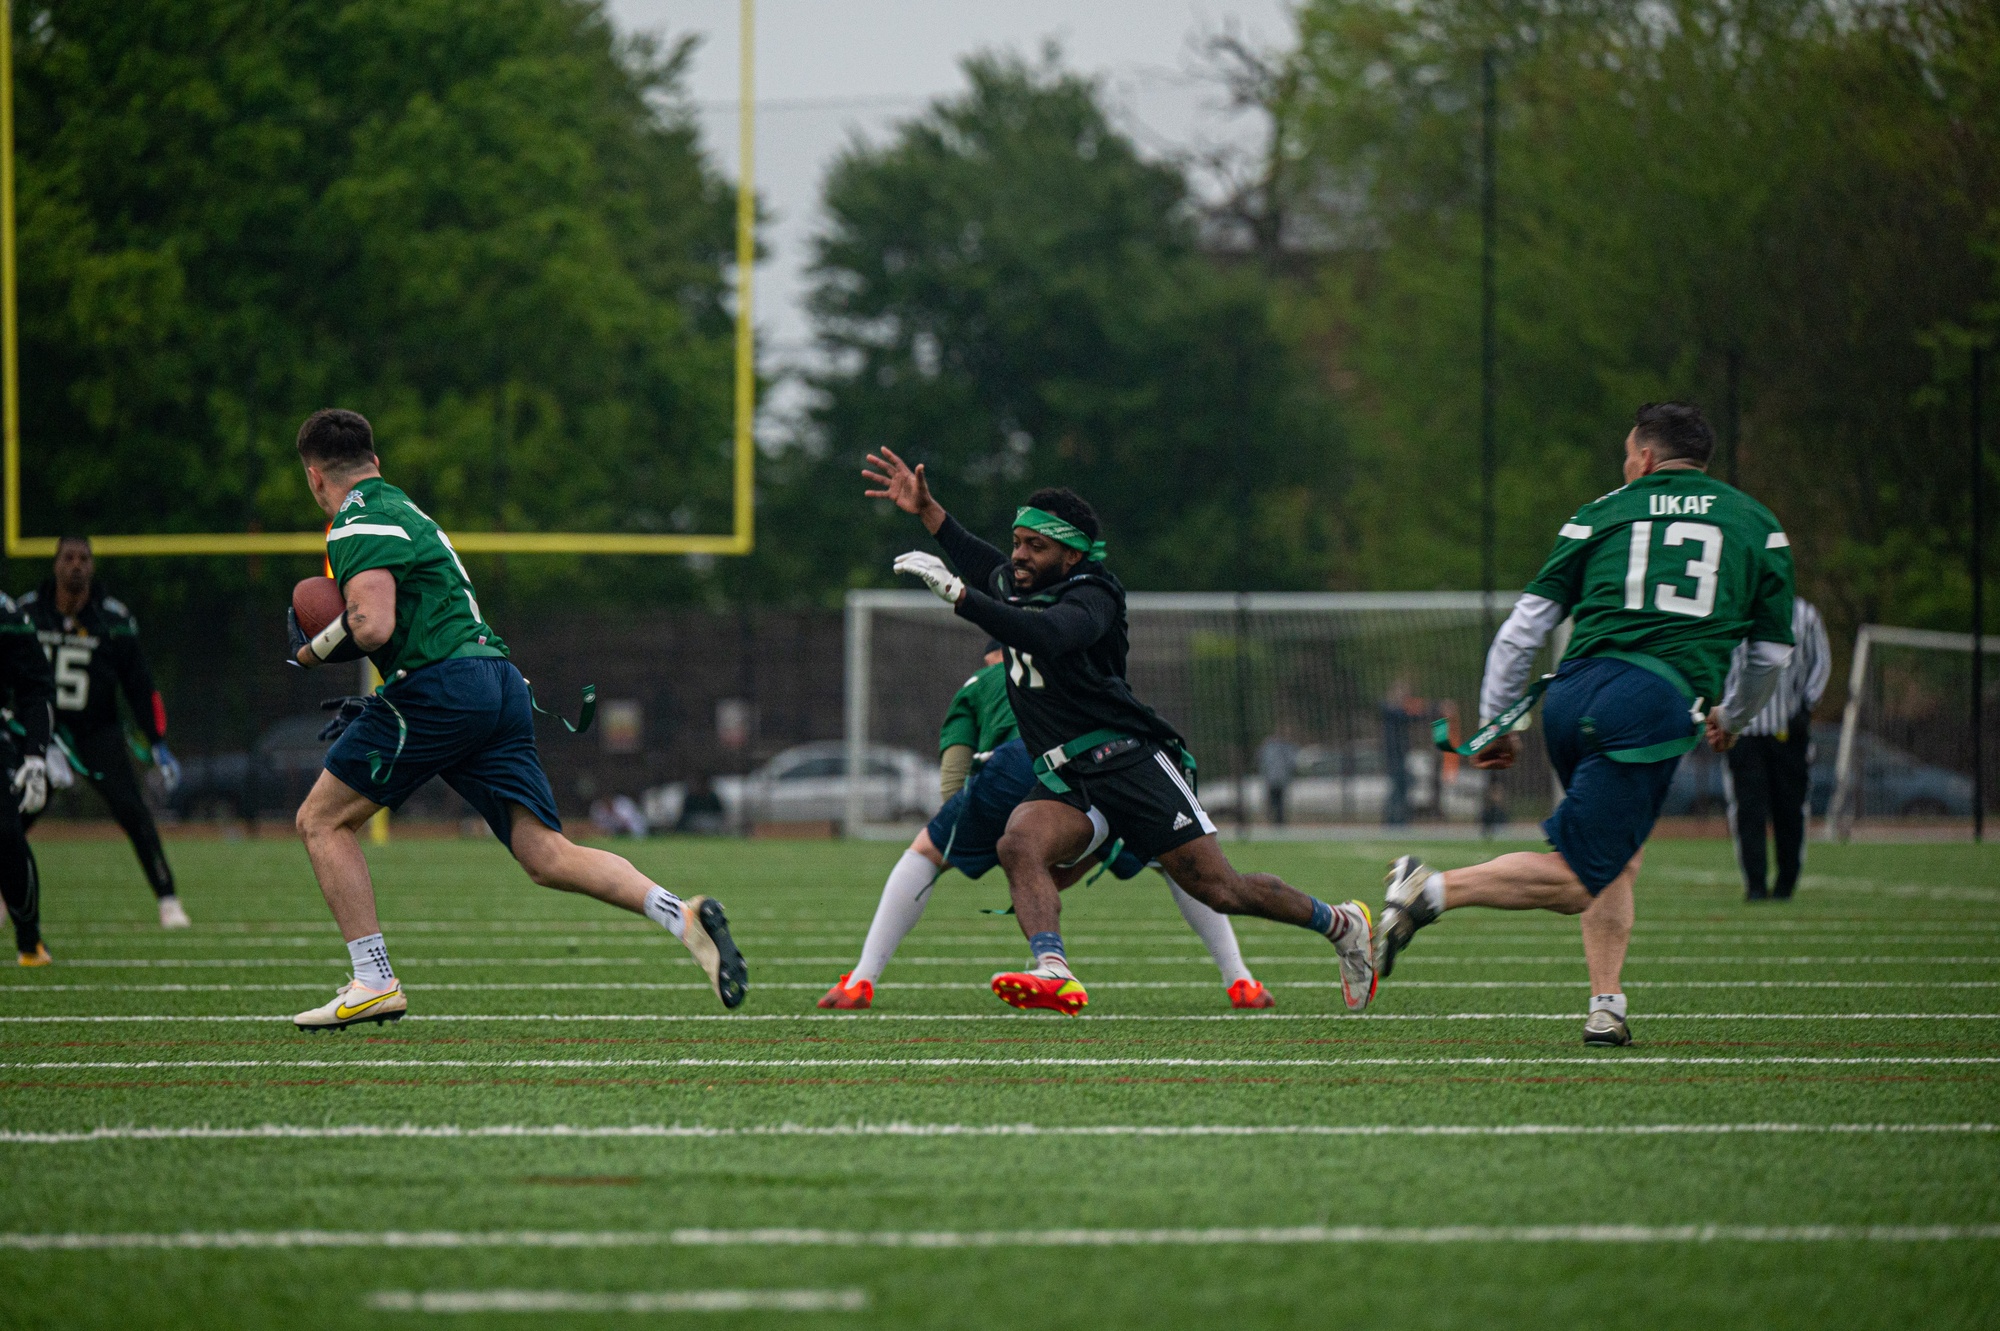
737, 541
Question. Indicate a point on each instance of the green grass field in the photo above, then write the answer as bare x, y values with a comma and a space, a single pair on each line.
1871, 1004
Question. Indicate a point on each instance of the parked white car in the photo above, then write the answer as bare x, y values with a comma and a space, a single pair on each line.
808, 783
1351, 786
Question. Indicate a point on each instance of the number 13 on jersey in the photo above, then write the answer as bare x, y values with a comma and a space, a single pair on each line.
1702, 570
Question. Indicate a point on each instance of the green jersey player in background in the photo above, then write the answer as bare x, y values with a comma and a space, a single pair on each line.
452, 706
1664, 576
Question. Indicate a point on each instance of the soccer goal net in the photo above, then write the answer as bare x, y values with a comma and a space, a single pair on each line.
1307, 712
1904, 752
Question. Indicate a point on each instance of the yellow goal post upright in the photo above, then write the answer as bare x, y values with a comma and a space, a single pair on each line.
739, 540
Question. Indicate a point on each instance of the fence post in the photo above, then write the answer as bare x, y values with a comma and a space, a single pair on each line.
859, 624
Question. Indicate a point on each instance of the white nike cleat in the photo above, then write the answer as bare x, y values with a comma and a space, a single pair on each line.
354, 1004
173, 915
1404, 910
1354, 942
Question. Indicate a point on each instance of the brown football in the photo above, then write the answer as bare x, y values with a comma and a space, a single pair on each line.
317, 602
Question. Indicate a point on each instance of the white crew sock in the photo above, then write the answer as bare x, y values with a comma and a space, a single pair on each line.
664, 909
1614, 1003
1216, 934
370, 956
1433, 892
904, 897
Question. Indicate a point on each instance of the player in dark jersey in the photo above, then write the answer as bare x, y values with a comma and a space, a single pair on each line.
26, 690
1664, 577
92, 642
1060, 614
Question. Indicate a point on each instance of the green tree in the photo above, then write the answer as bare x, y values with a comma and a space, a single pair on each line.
1010, 293
487, 224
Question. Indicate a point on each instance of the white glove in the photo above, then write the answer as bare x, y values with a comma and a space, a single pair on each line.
61, 775
32, 780
948, 585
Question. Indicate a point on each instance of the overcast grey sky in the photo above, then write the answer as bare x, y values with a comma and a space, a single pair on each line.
828, 70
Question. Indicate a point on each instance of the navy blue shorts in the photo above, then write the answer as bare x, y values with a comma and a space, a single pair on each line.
1608, 808
972, 820
467, 721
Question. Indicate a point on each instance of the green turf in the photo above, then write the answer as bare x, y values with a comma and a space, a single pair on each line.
1909, 933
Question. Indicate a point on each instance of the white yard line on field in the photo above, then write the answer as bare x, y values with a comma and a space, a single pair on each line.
664, 1301
970, 986
516, 1131
168, 1019
1618, 1061
1317, 959
1001, 1238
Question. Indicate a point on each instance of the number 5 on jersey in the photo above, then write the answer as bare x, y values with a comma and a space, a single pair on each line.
1702, 571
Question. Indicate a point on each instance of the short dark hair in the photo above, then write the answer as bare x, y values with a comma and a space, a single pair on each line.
336, 438
1068, 505
71, 538
1676, 430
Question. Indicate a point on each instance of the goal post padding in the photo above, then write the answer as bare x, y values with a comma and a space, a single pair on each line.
1325, 671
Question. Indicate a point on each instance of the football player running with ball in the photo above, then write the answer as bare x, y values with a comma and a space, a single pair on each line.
1060, 615
1664, 576
453, 706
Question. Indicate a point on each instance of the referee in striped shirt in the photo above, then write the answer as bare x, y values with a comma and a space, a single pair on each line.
1769, 776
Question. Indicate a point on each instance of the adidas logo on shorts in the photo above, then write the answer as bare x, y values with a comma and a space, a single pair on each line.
1182, 820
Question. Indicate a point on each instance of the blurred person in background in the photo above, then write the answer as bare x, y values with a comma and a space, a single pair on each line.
1278, 765
91, 640
1769, 774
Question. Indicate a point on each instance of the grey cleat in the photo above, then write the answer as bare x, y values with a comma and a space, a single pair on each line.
1404, 910
708, 938
1605, 1027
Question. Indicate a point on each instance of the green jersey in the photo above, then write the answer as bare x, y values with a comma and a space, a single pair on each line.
979, 714
437, 616
1676, 566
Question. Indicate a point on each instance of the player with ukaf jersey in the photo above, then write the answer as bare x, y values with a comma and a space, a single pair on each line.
452, 706
1060, 614
1664, 576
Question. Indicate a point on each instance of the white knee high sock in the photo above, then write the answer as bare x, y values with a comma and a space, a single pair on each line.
904, 897
1216, 933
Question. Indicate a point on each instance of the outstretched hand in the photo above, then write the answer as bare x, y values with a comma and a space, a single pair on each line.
904, 485
1719, 736
1499, 755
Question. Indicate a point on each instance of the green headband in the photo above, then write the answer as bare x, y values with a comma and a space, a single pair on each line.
1053, 527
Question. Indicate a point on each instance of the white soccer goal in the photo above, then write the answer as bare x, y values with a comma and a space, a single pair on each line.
1905, 750
1351, 681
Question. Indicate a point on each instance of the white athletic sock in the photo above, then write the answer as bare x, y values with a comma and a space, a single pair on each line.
664, 909
370, 956
1216, 934
1434, 892
1614, 1003
1055, 964
904, 897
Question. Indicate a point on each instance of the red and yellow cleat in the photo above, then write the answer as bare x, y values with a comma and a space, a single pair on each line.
39, 957
1041, 988
1250, 995
845, 997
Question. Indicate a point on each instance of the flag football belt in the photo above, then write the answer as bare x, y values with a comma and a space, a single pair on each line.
61, 741
1516, 717
1098, 745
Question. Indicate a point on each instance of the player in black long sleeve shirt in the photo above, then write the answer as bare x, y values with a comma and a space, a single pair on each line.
27, 689
1107, 764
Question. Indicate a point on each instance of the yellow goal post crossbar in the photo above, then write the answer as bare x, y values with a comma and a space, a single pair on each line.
737, 541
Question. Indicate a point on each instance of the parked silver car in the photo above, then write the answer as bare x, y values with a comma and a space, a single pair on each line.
808, 783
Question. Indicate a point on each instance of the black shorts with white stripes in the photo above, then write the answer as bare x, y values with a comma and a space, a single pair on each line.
1148, 801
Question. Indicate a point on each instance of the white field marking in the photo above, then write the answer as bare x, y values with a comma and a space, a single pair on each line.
1004, 1238
969, 986
167, 1019
1319, 960
571, 1064
665, 1301
576, 1131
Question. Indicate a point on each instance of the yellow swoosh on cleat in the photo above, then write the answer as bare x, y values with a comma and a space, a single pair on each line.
343, 1012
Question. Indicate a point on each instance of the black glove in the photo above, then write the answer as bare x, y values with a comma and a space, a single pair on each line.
346, 711
295, 638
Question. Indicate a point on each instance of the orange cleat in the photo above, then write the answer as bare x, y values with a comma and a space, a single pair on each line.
845, 997
1041, 988
1250, 994
39, 957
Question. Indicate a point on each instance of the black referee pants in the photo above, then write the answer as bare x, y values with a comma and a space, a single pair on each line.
20, 881
1770, 782
103, 752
